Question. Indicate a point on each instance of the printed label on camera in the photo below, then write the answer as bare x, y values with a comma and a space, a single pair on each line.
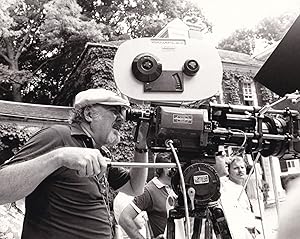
201, 179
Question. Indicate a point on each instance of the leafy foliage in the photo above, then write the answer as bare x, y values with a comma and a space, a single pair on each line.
45, 38
46, 30
241, 40
141, 18
230, 86
267, 96
12, 137
94, 70
233, 92
272, 29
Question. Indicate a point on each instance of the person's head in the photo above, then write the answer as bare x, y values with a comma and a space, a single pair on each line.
99, 112
221, 164
237, 170
165, 157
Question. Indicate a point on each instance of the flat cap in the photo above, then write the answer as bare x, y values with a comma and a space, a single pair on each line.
99, 96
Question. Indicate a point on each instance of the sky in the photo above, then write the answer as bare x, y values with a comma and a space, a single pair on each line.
229, 15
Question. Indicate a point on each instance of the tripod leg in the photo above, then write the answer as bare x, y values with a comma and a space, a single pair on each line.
208, 228
197, 228
170, 228
220, 224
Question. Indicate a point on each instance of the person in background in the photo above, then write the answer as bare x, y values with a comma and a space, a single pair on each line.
64, 176
121, 201
153, 201
221, 164
234, 200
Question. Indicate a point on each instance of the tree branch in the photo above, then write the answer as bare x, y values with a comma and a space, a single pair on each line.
5, 57
19, 51
48, 60
4, 89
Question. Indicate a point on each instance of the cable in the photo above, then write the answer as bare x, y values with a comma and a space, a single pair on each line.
244, 142
249, 175
258, 200
186, 209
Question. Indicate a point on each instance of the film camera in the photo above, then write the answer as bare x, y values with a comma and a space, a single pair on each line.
169, 73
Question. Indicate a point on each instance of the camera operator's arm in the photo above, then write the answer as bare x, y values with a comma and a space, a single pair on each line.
19, 179
138, 176
128, 223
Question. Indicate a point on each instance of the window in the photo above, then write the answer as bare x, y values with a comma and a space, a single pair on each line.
248, 93
290, 164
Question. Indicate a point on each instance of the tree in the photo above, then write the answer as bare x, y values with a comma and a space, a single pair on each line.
272, 29
241, 40
44, 27
141, 18
18, 23
42, 40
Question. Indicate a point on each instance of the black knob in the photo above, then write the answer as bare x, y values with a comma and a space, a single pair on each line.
146, 67
190, 67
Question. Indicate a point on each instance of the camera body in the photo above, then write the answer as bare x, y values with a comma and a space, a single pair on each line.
167, 72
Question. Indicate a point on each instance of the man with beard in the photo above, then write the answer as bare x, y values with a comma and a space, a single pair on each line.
64, 176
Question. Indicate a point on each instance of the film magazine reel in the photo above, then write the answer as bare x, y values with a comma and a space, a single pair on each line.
177, 70
167, 70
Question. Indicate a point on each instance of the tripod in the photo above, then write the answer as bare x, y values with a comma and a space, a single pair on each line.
214, 221
199, 201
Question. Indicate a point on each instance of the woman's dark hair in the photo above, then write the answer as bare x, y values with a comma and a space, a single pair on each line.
165, 157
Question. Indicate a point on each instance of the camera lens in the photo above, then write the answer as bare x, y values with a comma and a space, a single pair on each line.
138, 114
146, 68
190, 67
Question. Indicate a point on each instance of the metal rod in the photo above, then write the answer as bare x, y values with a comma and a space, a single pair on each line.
249, 175
258, 201
274, 182
249, 135
142, 165
254, 109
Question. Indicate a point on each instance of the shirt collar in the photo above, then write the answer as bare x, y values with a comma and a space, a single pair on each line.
77, 130
158, 183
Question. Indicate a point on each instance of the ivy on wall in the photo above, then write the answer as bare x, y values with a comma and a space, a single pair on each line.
232, 85
267, 96
12, 137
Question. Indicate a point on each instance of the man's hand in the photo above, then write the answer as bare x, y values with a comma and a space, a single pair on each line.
142, 134
88, 162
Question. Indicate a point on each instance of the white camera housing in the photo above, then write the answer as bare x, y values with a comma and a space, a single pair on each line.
174, 82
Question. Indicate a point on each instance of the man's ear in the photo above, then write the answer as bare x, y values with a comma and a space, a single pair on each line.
87, 114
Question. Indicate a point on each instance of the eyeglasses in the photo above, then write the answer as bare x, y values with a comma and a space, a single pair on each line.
116, 109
